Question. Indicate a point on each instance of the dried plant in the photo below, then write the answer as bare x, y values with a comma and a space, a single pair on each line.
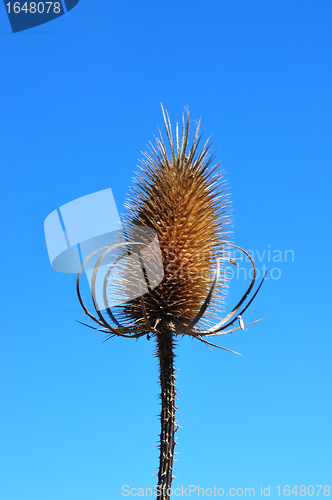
182, 197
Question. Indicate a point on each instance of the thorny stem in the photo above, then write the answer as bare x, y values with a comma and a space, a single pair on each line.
165, 353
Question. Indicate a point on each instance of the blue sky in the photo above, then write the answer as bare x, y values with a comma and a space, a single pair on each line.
80, 99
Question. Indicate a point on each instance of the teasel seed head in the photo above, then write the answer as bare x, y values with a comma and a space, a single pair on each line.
180, 194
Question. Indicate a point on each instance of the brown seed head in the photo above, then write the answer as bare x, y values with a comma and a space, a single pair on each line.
181, 196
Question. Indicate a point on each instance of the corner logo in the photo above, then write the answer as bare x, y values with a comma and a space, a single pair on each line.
25, 15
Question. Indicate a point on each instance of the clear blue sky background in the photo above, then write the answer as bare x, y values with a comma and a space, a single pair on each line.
80, 99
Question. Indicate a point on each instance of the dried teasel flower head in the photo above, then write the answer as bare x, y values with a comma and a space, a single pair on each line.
178, 210
180, 194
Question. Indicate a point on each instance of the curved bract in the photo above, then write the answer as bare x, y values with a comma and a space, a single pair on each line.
120, 330
190, 328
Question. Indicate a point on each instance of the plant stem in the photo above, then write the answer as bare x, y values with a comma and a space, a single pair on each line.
165, 353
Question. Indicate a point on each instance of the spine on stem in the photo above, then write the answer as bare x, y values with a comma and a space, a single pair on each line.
165, 353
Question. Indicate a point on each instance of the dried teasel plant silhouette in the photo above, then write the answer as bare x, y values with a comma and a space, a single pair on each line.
181, 197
